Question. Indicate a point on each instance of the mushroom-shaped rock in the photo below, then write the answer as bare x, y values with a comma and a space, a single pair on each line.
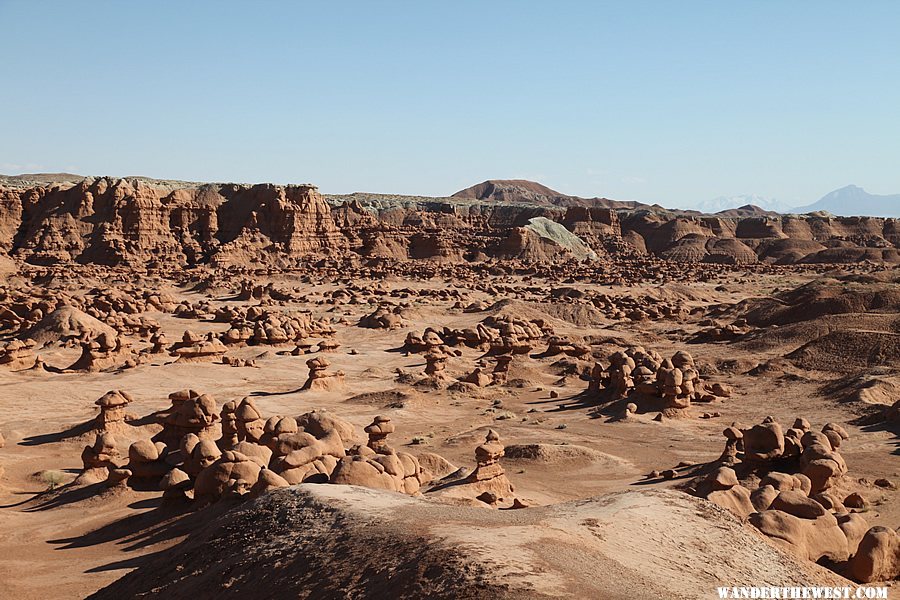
233, 471
118, 478
797, 504
489, 472
146, 460
762, 497
258, 453
763, 442
780, 481
733, 437
320, 422
197, 415
854, 527
721, 487
98, 459
878, 556
250, 424
810, 539
378, 431
357, 470
319, 376
477, 377
112, 410
174, 484
202, 455
267, 481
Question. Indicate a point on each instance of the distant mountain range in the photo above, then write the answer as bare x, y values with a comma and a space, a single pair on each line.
853, 200
846, 202
723, 203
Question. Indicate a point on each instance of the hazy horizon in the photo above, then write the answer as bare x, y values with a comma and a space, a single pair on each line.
656, 102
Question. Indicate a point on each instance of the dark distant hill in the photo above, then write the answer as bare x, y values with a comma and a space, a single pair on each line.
748, 210
522, 190
498, 188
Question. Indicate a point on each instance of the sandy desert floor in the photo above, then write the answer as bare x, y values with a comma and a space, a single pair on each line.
62, 540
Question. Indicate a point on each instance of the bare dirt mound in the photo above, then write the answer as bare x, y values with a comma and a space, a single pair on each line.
854, 255
516, 309
507, 189
559, 454
729, 251
879, 390
696, 247
794, 335
838, 323
292, 544
67, 323
848, 351
31, 179
394, 398
329, 541
583, 315
825, 296
788, 250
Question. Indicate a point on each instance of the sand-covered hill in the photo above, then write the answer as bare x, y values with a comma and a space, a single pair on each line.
646, 544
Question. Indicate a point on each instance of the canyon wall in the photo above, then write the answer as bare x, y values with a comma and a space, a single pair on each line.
131, 221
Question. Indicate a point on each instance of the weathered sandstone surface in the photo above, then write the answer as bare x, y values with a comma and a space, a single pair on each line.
134, 221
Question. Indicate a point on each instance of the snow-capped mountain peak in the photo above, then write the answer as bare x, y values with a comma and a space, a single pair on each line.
728, 202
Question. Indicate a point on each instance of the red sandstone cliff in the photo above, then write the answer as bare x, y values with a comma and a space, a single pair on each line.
122, 221
111, 221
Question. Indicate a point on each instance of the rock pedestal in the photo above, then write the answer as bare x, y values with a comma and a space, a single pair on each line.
319, 376
112, 411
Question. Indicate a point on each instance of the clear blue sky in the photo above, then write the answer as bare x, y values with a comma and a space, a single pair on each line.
667, 102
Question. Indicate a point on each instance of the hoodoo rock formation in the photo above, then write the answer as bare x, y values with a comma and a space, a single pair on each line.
652, 382
566, 342
378, 465
791, 485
